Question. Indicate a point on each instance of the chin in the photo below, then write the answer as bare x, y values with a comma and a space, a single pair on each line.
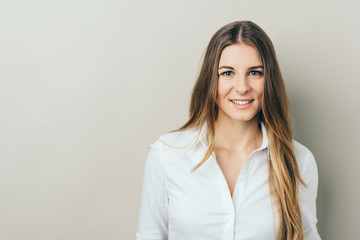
247, 118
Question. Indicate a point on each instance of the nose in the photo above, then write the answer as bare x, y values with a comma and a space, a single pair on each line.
242, 85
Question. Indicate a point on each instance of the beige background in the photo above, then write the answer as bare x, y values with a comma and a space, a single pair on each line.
87, 86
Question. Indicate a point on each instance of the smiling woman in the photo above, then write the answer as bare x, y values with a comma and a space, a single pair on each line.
241, 82
233, 171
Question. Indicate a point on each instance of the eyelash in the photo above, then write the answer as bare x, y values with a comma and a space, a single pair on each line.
257, 73
226, 74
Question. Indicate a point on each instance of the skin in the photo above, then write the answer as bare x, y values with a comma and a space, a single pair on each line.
236, 130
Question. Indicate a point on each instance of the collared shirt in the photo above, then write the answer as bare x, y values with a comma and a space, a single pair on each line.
183, 205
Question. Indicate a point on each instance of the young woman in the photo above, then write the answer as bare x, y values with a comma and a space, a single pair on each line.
233, 171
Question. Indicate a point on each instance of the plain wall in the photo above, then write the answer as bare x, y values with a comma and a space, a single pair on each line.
87, 86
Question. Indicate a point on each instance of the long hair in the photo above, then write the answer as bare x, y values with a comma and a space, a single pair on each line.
284, 176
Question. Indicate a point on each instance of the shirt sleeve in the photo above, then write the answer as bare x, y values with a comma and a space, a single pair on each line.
308, 197
153, 218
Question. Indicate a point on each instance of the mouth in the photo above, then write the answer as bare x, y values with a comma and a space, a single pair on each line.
242, 102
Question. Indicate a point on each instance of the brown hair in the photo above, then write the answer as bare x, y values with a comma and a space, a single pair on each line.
284, 176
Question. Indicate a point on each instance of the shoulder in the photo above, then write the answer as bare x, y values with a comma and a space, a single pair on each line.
307, 193
306, 161
178, 139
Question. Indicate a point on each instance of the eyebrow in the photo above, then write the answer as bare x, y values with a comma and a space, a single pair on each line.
250, 68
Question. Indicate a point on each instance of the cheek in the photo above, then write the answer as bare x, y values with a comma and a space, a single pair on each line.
261, 93
260, 88
223, 89
219, 93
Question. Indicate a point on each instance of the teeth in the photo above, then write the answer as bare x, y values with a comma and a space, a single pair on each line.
241, 102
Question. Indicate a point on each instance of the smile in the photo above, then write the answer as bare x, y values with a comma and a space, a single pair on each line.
241, 102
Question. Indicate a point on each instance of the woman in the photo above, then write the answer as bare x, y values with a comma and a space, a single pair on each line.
233, 170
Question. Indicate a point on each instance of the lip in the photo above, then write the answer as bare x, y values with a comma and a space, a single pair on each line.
238, 99
242, 107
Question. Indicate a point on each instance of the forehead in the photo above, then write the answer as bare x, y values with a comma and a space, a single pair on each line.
240, 55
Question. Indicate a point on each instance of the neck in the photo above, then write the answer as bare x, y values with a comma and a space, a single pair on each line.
232, 135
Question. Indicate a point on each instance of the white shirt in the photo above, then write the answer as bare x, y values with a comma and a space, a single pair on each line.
183, 205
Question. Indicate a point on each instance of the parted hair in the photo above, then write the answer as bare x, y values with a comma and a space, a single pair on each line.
284, 175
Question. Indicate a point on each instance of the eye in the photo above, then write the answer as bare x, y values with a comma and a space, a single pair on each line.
227, 73
255, 73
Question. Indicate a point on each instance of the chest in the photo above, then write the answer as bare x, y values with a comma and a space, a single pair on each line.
201, 206
231, 165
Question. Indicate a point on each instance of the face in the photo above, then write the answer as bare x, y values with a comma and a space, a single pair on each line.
241, 83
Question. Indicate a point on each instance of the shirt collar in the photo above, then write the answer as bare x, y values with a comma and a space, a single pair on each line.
264, 144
